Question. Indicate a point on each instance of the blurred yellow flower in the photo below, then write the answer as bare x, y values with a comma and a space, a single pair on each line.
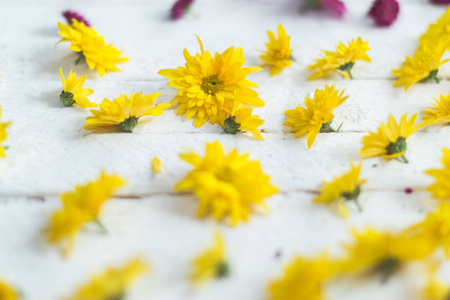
7, 292
210, 264
390, 140
347, 187
91, 47
435, 289
303, 279
226, 184
342, 60
113, 283
278, 53
89, 198
383, 253
438, 32
3, 134
422, 66
73, 91
440, 189
439, 113
318, 114
156, 165
207, 85
124, 111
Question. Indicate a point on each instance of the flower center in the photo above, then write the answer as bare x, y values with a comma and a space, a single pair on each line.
231, 126
129, 124
226, 174
212, 85
397, 147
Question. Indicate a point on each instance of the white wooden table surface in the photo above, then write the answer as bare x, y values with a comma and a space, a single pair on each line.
48, 155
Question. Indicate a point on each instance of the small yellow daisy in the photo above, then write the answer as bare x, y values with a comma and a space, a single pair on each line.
91, 47
278, 54
439, 113
438, 32
390, 140
318, 114
440, 189
423, 66
3, 134
346, 187
73, 91
342, 60
207, 85
113, 283
226, 183
124, 111
210, 264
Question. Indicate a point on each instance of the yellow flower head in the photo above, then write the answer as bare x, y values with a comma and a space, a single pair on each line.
210, 264
435, 228
64, 227
73, 91
226, 184
241, 119
440, 189
318, 114
113, 283
156, 165
383, 253
207, 85
7, 292
124, 111
438, 32
439, 113
3, 134
346, 187
422, 66
91, 47
278, 54
89, 198
303, 279
342, 60
390, 140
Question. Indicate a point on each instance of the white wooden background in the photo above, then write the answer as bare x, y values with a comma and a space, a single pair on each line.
48, 155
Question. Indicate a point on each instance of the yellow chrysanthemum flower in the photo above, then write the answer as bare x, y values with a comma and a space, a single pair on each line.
89, 198
318, 114
124, 111
439, 113
210, 264
390, 140
440, 189
303, 279
113, 283
435, 227
278, 55
156, 165
342, 60
383, 253
436, 289
7, 292
64, 227
346, 187
438, 32
91, 47
3, 134
73, 91
226, 184
80, 206
207, 85
422, 66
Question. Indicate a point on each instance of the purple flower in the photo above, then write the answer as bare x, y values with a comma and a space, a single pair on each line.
440, 1
336, 7
384, 12
179, 8
70, 14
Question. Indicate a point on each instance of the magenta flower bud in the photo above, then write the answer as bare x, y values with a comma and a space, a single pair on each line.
384, 12
179, 8
440, 1
336, 7
70, 15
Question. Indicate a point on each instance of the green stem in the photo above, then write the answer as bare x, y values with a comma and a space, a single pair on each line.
403, 159
100, 225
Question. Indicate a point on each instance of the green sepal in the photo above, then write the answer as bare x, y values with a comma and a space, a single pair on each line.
347, 68
66, 99
387, 267
223, 270
326, 127
432, 76
231, 126
129, 124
